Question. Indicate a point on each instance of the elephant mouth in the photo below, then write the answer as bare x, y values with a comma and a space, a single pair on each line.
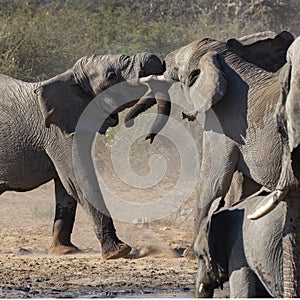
111, 121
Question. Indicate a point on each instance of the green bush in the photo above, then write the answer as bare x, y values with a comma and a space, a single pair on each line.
41, 38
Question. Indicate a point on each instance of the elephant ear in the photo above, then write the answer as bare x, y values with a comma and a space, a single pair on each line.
210, 86
62, 101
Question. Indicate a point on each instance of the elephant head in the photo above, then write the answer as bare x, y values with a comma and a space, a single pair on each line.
63, 98
207, 88
266, 50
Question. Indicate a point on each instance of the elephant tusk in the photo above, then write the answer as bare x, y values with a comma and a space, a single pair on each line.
272, 201
163, 78
155, 77
145, 79
201, 289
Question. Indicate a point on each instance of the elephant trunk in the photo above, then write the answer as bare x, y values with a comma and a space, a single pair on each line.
157, 93
291, 245
163, 112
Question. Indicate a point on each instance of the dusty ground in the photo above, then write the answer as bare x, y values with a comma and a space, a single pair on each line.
27, 271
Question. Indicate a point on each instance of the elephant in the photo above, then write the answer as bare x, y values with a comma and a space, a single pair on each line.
243, 100
240, 132
246, 253
287, 112
38, 122
265, 49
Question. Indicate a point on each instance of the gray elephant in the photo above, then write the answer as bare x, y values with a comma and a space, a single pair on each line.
243, 100
245, 252
38, 122
240, 132
266, 50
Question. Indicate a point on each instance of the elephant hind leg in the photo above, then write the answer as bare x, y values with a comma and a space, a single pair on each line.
63, 222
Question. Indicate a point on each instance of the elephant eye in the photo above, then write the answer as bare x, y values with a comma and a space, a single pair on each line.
111, 76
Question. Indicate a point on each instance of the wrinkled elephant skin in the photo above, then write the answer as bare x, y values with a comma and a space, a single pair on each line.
37, 124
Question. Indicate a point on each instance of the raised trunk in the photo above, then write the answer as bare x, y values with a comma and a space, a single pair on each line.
291, 245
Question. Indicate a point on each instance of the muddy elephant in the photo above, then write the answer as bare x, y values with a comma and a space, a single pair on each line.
38, 121
245, 252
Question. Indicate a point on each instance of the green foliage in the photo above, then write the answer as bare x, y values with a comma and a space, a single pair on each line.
41, 38
39, 41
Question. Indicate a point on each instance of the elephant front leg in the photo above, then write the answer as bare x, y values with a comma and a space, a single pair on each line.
112, 247
244, 283
219, 162
63, 222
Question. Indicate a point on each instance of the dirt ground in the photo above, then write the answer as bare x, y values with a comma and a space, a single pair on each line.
27, 271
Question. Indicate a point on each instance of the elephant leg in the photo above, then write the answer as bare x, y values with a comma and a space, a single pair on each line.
216, 175
244, 283
219, 162
112, 247
63, 222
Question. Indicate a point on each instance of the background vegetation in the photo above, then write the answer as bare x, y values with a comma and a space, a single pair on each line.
40, 38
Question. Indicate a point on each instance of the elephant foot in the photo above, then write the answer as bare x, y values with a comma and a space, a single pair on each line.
189, 253
63, 250
113, 250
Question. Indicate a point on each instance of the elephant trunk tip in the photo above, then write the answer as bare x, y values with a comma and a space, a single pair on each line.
150, 137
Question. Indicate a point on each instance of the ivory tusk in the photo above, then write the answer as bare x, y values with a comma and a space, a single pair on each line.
272, 201
155, 77
163, 78
145, 79
201, 289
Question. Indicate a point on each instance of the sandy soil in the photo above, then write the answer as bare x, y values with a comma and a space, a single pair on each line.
27, 271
